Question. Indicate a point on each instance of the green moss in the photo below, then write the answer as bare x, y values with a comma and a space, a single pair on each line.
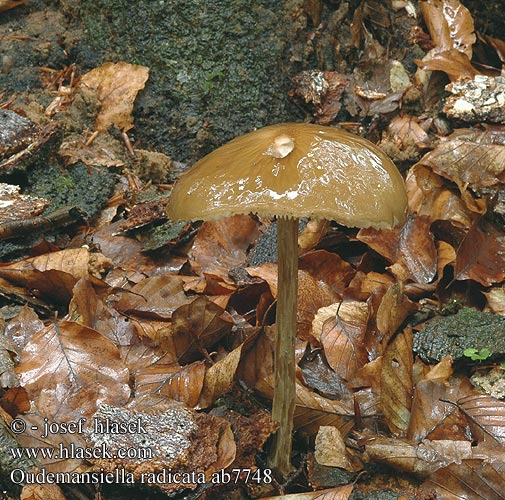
80, 186
217, 67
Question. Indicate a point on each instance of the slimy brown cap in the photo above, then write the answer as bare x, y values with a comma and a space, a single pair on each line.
294, 170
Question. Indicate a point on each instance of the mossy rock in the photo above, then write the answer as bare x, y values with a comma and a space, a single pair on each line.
218, 68
468, 329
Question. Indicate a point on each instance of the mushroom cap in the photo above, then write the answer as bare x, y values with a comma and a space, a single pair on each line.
294, 170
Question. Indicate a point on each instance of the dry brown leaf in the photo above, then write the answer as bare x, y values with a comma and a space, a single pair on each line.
405, 134
180, 383
328, 268
330, 448
446, 256
312, 410
470, 157
45, 491
428, 196
397, 382
222, 245
392, 312
76, 262
258, 362
496, 299
480, 256
456, 64
312, 295
311, 234
421, 459
116, 86
471, 479
70, 369
195, 328
487, 417
450, 25
219, 377
105, 150
342, 337
156, 297
339, 493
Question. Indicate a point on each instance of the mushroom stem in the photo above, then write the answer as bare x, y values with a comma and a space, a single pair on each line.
283, 405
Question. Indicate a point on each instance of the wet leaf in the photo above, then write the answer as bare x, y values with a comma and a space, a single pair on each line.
70, 369
22, 327
319, 376
450, 25
397, 383
116, 86
432, 405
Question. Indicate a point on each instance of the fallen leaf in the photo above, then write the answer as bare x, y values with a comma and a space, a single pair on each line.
487, 417
342, 338
222, 245
312, 295
116, 86
339, 493
195, 328
470, 157
453, 62
428, 196
471, 479
45, 491
70, 369
154, 298
480, 256
312, 410
23, 326
10, 4
496, 299
450, 25
165, 377
423, 458
330, 448
397, 382
393, 309
220, 376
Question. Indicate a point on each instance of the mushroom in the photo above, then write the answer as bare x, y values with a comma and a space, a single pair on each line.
292, 170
